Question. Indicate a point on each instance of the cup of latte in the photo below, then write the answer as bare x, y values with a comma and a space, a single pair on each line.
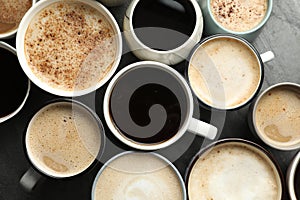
11, 14
161, 30
63, 139
133, 175
239, 17
293, 178
225, 71
69, 47
148, 106
234, 169
274, 116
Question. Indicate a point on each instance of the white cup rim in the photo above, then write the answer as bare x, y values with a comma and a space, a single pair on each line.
141, 146
21, 54
190, 40
291, 176
169, 163
275, 145
7, 117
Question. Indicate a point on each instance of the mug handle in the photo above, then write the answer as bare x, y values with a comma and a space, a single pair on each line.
30, 179
202, 129
267, 56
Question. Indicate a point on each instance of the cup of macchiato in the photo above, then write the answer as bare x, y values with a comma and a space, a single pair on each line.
148, 106
63, 139
11, 14
14, 84
69, 47
133, 175
293, 178
239, 17
234, 169
163, 31
225, 71
274, 116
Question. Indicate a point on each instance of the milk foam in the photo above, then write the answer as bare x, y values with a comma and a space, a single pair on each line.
278, 116
239, 15
224, 73
233, 172
63, 140
138, 177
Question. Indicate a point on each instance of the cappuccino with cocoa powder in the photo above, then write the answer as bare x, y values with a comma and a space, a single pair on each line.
63, 139
70, 45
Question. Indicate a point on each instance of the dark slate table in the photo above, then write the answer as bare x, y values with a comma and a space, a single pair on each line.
281, 35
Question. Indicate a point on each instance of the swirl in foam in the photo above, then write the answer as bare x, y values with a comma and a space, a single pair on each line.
137, 176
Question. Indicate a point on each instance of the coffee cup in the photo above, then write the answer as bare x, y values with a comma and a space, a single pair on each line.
15, 86
163, 31
11, 13
62, 140
148, 105
225, 71
136, 175
293, 178
274, 116
69, 48
234, 169
243, 18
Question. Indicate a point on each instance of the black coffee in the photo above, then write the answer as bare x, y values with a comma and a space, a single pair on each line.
297, 182
13, 83
164, 24
148, 105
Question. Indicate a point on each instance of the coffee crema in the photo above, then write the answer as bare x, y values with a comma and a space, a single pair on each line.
63, 139
239, 15
233, 171
138, 176
277, 116
11, 14
70, 46
224, 73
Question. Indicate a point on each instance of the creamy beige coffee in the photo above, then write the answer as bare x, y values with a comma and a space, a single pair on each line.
277, 116
137, 176
234, 171
224, 73
239, 15
70, 46
63, 140
11, 13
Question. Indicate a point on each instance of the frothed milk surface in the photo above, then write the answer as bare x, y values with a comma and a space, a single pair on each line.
233, 172
239, 15
278, 116
224, 72
138, 177
11, 13
70, 46
63, 140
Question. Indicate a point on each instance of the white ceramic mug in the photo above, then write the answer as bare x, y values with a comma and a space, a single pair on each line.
169, 57
290, 178
188, 123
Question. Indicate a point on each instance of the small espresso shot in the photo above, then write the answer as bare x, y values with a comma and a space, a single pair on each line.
162, 24
14, 83
11, 13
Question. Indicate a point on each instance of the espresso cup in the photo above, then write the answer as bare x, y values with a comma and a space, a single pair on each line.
274, 116
293, 178
11, 14
163, 31
135, 175
225, 71
69, 48
63, 139
148, 105
243, 18
234, 169
15, 86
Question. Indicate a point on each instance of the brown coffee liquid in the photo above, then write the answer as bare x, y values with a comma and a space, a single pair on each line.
297, 182
13, 83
